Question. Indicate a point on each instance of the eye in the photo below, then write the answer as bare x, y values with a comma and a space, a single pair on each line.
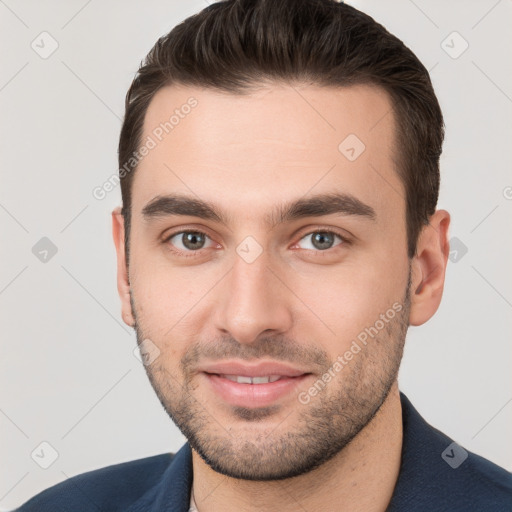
189, 241
321, 240
193, 241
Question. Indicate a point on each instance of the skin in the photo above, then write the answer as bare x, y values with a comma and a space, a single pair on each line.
295, 302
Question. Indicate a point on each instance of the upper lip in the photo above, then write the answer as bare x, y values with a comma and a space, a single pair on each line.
261, 369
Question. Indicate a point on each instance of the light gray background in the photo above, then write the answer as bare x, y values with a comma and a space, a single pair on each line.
68, 375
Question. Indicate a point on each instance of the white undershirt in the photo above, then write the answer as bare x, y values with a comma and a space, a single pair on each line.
192, 507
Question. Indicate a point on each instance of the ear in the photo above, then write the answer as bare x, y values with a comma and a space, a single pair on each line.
123, 283
429, 267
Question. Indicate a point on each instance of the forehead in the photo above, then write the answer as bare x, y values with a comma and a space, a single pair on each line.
277, 143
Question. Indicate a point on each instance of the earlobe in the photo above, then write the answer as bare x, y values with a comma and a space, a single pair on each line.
429, 267
123, 282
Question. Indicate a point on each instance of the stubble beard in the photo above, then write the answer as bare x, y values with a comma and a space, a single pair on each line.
240, 446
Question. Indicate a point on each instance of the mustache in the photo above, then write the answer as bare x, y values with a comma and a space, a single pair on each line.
280, 349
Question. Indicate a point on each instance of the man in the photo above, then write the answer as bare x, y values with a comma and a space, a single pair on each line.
279, 165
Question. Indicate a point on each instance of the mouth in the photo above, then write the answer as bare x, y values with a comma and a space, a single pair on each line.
242, 379
252, 386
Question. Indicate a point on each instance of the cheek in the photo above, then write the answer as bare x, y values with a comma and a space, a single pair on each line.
350, 298
168, 299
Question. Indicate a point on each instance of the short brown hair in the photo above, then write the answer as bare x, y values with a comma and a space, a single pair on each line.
236, 45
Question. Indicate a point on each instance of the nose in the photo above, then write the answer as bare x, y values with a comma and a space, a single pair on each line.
253, 301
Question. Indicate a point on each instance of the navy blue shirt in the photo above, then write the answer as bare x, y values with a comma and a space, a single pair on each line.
436, 475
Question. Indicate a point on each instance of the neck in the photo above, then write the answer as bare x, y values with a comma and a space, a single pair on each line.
361, 477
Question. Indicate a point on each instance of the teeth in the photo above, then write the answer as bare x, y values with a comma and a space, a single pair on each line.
260, 380
241, 379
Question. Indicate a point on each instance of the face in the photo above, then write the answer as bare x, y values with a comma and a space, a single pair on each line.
268, 274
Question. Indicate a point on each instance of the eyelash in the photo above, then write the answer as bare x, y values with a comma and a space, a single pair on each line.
192, 254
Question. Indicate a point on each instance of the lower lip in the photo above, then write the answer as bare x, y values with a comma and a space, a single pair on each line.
253, 395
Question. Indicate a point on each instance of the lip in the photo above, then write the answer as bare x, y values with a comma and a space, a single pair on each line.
252, 395
252, 370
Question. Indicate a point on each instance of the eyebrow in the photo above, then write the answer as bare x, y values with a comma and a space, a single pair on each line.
315, 206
